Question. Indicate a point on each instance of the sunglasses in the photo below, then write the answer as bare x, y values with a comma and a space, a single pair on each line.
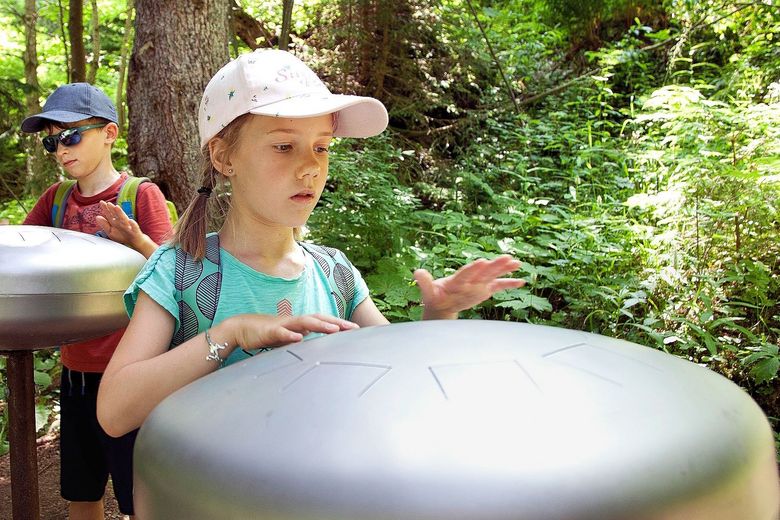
68, 137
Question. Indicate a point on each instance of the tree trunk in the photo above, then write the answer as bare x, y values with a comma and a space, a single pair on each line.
36, 161
284, 36
95, 63
120, 86
380, 42
178, 47
31, 58
61, 20
366, 41
78, 60
384, 17
348, 51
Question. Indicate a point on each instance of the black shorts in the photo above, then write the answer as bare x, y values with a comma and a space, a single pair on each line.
87, 453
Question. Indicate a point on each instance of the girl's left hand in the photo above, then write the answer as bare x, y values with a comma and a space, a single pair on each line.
470, 285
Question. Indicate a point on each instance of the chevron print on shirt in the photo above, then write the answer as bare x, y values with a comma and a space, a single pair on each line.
284, 308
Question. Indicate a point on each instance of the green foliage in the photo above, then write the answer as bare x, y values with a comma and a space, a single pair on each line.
363, 203
643, 212
764, 362
17, 179
715, 204
586, 19
14, 211
393, 291
642, 198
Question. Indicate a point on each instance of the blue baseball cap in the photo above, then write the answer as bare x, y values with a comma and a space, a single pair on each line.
70, 103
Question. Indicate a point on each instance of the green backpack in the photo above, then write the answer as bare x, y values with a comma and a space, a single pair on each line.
125, 200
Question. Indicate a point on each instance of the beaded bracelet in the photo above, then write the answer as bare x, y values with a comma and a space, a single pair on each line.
214, 349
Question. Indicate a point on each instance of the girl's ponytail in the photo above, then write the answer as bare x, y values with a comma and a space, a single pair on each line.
190, 231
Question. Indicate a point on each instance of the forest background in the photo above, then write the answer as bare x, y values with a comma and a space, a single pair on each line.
627, 151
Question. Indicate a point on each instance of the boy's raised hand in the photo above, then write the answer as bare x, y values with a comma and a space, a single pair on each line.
116, 225
119, 228
470, 285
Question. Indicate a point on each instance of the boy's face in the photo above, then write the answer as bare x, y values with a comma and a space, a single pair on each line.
93, 149
280, 166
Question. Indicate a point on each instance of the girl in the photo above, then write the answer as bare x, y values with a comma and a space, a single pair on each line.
266, 122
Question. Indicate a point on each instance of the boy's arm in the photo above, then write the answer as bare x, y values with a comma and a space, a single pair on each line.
40, 215
151, 212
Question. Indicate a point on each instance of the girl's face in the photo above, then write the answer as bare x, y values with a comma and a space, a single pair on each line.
279, 168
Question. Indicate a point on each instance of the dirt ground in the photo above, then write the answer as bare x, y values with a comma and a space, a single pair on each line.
52, 506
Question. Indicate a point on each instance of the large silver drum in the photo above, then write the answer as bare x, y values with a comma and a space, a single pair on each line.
458, 420
59, 286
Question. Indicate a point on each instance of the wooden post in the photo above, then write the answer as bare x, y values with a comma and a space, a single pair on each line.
21, 435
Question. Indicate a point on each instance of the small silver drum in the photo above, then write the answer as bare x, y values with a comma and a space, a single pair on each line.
59, 286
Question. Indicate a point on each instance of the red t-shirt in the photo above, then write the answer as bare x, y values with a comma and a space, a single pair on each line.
80, 212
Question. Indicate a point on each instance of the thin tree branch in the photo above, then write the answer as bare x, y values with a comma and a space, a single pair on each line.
13, 194
93, 67
123, 57
284, 37
495, 58
64, 39
247, 28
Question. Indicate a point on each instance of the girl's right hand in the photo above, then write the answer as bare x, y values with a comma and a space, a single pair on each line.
252, 331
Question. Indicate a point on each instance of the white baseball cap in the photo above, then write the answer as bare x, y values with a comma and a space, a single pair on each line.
275, 83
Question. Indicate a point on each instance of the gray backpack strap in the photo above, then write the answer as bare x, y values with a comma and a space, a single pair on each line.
198, 284
340, 275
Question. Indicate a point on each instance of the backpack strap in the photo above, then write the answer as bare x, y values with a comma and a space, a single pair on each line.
172, 213
339, 271
127, 195
60, 202
198, 284
125, 199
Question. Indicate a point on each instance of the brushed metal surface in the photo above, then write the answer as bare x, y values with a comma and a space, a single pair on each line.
458, 420
59, 286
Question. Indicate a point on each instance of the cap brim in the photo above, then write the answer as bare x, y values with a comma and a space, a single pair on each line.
358, 116
38, 122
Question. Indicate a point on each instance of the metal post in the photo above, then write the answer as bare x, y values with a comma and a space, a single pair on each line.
21, 435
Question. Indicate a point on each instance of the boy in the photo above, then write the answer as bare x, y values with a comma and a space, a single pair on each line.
81, 126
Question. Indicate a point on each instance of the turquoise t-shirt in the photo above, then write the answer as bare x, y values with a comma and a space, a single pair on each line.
245, 290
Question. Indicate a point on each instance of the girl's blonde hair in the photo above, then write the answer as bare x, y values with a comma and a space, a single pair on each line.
190, 231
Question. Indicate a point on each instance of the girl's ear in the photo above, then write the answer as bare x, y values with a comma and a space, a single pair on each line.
218, 151
112, 132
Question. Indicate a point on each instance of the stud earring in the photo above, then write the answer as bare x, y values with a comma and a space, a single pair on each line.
230, 171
